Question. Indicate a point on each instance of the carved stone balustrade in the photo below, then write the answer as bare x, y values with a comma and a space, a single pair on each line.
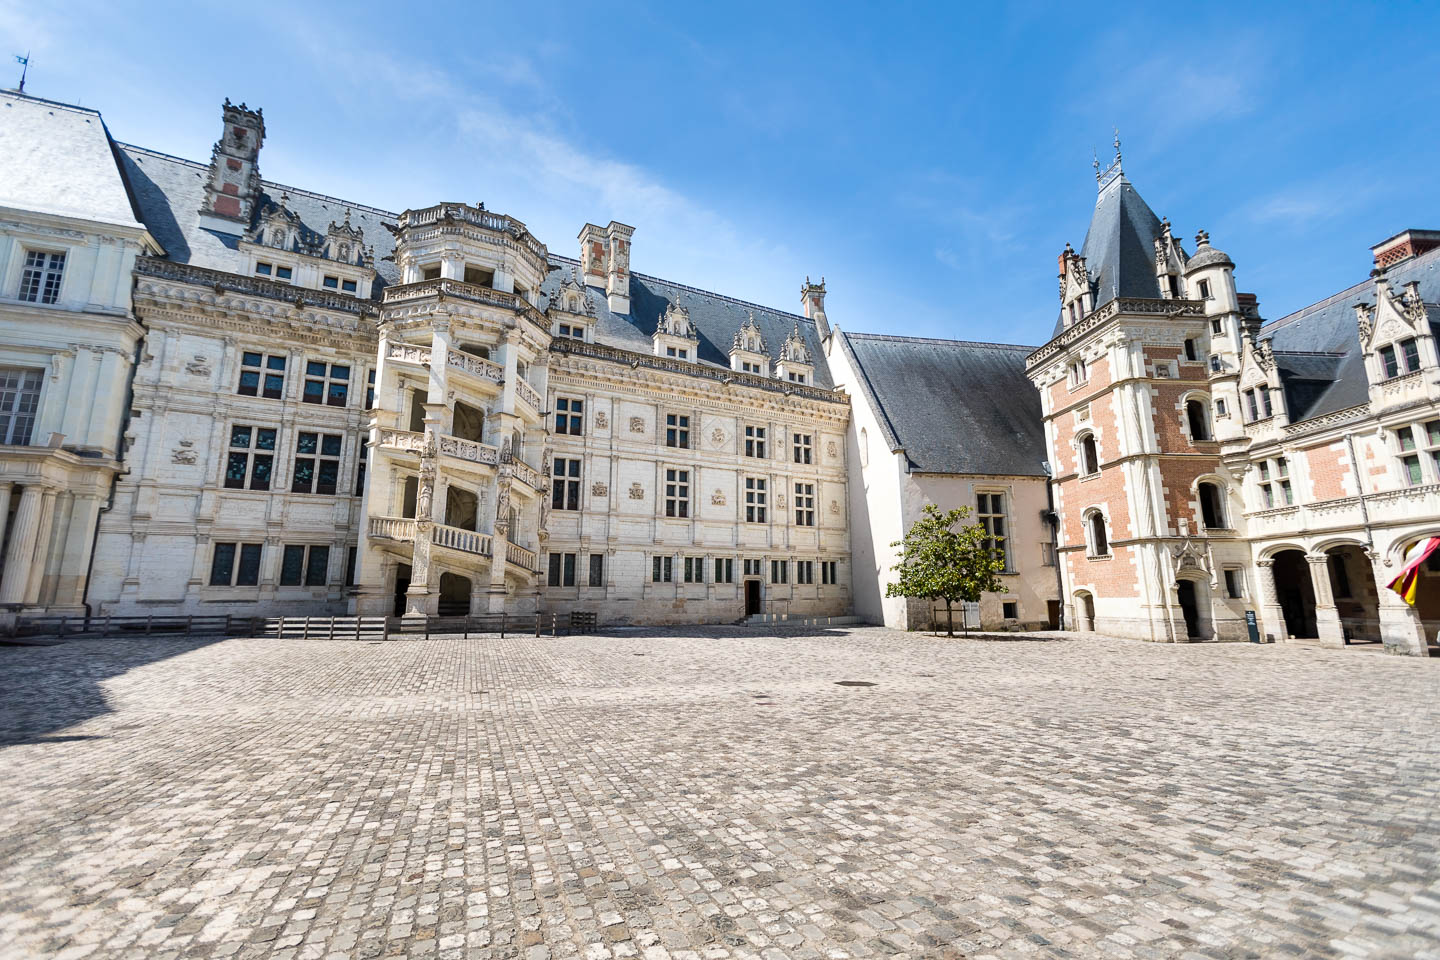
407, 353
528, 395
1408, 504
523, 472
469, 450
477, 367
458, 538
447, 287
393, 528
406, 440
522, 558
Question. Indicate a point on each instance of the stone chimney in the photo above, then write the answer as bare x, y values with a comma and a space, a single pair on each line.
233, 186
1403, 246
605, 261
812, 298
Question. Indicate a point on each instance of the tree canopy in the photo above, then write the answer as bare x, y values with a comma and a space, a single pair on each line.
940, 562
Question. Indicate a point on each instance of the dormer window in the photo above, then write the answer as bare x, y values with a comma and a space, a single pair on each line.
1400, 358
679, 353
41, 276
747, 367
571, 331
797, 378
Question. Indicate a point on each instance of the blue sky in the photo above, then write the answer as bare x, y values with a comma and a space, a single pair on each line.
930, 160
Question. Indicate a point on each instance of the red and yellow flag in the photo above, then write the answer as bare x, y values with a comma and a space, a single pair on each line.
1408, 583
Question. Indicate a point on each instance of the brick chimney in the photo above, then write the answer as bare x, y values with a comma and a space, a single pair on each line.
605, 261
812, 299
1403, 246
233, 187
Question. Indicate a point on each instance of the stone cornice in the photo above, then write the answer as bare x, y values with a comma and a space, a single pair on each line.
1120, 306
221, 282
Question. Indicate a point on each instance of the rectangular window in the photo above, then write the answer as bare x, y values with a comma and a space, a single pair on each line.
292, 566
1250, 403
1389, 361
805, 571
261, 375
1217, 325
677, 430
755, 442
569, 415
679, 353
283, 273
41, 275
562, 570
662, 569
251, 458
317, 463
724, 570
332, 283
779, 571
1410, 351
694, 569
1234, 584
1265, 401
1010, 610
802, 447
752, 568
317, 567
805, 504
350, 564
222, 563
1282, 473
225, 573
748, 367
572, 331
264, 269
347, 286
1079, 373
1205, 290
370, 390
829, 572
991, 514
1411, 466
677, 493
565, 484
797, 378
19, 399
327, 384
754, 500
597, 569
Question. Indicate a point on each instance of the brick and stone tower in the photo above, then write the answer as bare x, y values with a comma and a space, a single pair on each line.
234, 183
1141, 369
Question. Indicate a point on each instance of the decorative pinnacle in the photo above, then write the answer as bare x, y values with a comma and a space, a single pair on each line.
1202, 239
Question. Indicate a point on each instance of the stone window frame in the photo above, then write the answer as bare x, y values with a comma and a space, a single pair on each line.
557, 569
804, 573
804, 495
802, 447
678, 495
45, 278
328, 382
253, 453
568, 421
829, 573
1425, 451
1197, 505
1004, 515
1077, 442
662, 568
318, 460
566, 474
17, 383
1087, 517
678, 428
692, 570
756, 438
1274, 470
264, 371
1400, 356
235, 567
1239, 585
309, 577
1202, 398
723, 570
570, 330
780, 570
756, 499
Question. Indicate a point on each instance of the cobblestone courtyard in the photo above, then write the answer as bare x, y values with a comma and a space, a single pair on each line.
717, 794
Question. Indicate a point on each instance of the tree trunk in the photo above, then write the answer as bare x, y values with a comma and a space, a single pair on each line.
950, 614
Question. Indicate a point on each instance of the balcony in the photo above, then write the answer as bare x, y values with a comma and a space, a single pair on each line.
488, 372
1410, 503
529, 395
523, 472
458, 538
399, 529
406, 441
442, 287
522, 558
471, 451
407, 353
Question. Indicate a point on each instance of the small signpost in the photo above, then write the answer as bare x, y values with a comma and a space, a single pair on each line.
1251, 626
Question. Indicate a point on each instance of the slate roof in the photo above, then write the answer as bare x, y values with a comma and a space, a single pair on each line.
1119, 248
170, 192
1317, 349
716, 318
952, 405
59, 159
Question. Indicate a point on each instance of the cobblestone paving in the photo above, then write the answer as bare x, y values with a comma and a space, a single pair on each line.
714, 794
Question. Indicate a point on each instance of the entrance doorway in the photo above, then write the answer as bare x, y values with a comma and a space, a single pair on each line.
1357, 599
1190, 607
1296, 593
1084, 612
752, 597
402, 583
1052, 613
454, 595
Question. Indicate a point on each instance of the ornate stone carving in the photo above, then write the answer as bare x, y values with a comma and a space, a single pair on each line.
1265, 354
602, 422
718, 497
717, 437
832, 450
749, 338
599, 489
198, 366
835, 507
502, 510
637, 492
780, 501
676, 323
637, 425
1365, 320
794, 348
184, 453
425, 495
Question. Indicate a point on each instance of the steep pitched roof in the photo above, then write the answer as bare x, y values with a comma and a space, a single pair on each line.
716, 317
954, 406
1317, 348
1119, 248
58, 159
170, 192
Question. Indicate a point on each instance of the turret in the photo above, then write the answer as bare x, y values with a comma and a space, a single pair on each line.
233, 186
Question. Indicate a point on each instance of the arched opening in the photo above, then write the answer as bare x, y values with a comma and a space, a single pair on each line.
1099, 537
1357, 598
408, 495
1212, 505
1296, 593
1085, 612
1089, 456
402, 584
417, 411
1199, 423
462, 509
454, 595
1194, 597
864, 448
469, 423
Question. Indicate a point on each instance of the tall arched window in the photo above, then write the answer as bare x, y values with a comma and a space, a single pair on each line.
1099, 538
1089, 456
1199, 423
1212, 505
864, 448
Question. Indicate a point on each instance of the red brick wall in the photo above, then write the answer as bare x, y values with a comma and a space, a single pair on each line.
1328, 468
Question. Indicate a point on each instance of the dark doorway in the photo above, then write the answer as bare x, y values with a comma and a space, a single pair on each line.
454, 595
752, 597
1052, 613
1189, 606
402, 583
1357, 600
1296, 593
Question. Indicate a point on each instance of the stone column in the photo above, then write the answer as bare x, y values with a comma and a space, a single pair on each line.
1272, 617
5, 489
1400, 628
20, 558
1327, 617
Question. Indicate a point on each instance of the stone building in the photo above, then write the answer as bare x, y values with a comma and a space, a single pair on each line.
1208, 464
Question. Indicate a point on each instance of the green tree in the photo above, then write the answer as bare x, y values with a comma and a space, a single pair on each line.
940, 562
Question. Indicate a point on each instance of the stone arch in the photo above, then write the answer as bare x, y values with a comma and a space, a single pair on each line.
1212, 505
1084, 611
1087, 451
1098, 532
1196, 416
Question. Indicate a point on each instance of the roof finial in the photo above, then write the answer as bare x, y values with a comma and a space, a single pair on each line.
1095, 162
1113, 172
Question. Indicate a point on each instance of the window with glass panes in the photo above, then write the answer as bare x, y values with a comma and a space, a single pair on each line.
597, 570
274, 272
752, 568
572, 331
565, 484
754, 499
804, 572
19, 399
805, 504
317, 463
569, 416
262, 375
370, 390
779, 571
304, 565
677, 493
1257, 403
724, 570
755, 442
251, 458
326, 383
801, 445
562, 569
1275, 489
677, 430
1411, 438
225, 572
41, 275
991, 514
693, 569
662, 569
829, 572
1400, 358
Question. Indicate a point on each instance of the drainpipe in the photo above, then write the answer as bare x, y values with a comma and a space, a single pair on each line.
1359, 490
1053, 519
